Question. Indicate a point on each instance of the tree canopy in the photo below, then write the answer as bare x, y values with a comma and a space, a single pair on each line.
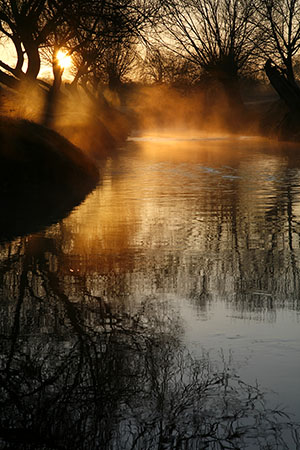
219, 40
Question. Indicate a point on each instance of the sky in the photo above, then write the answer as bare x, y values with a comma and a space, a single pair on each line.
8, 56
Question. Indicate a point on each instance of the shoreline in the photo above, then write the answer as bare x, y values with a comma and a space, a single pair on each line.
42, 176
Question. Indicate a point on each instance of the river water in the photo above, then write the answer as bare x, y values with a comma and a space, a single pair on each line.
163, 312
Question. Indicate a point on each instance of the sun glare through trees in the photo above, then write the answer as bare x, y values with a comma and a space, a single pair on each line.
64, 60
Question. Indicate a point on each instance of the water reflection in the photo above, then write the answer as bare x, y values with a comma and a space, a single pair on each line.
78, 371
205, 223
92, 352
30, 210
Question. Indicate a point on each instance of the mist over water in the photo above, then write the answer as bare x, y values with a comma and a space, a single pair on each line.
188, 249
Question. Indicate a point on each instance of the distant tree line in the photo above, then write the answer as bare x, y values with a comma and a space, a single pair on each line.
161, 40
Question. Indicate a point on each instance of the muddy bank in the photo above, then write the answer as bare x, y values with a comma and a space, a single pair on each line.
42, 177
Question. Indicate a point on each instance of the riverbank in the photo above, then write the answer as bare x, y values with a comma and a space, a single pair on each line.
90, 123
42, 176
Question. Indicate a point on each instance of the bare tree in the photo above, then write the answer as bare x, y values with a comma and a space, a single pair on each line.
105, 64
103, 45
28, 25
217, 35
34, 24
163, 66
280, 21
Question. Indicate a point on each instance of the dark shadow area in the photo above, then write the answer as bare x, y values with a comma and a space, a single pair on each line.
42, 177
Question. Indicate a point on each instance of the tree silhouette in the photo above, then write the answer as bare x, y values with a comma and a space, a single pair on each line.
280, 21
28, 24
82, 28
220, 37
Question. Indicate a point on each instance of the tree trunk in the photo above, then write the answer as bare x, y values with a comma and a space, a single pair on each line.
17, 70
114, 82
34, 60
288, 126
287, 90
20, 56
236, 114
233, 93
51, 100
290, 71
225, 71
82, 70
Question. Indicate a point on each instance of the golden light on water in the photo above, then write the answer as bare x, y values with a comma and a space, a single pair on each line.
64, 59
129, 213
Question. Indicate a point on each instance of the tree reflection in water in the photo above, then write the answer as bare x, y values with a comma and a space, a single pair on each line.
78, 372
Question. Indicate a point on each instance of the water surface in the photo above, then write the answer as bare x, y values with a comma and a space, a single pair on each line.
180, 271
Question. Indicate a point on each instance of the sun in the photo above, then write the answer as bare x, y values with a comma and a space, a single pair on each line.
64, 59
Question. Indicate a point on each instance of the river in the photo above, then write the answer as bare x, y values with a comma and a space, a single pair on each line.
163, 312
